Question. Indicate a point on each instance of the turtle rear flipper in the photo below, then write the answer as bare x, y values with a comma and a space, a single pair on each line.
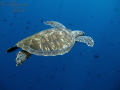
22, 56
12, 49
85, 39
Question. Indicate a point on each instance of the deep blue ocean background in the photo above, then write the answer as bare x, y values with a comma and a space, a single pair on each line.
83, 68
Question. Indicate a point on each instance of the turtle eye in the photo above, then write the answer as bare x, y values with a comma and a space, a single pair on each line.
83, 33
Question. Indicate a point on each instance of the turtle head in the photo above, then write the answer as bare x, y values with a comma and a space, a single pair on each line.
77, 33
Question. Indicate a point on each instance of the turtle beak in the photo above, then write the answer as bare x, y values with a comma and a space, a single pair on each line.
83, 33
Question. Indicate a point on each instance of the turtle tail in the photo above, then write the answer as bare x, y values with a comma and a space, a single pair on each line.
22, 56
12, 49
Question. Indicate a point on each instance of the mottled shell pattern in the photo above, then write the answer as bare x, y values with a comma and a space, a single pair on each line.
50, 42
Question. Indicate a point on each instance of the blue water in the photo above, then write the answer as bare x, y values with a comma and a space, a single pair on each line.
83, 68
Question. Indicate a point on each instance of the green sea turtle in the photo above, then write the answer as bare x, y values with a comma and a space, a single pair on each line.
50, 42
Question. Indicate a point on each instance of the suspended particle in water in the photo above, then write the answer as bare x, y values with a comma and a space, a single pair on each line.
28, 22
36, 25
5, 20
52, 77
91, 17
96, 56
11, 24
111, 22
41, 21
70, 24
116, 9
27, 28
56, 69
99, 75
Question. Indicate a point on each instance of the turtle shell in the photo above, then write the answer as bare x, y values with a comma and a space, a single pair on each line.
50, 42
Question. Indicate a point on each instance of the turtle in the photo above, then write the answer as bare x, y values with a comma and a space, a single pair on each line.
57, 40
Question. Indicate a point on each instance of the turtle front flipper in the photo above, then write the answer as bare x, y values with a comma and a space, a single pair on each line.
85, 39
12, 49
22, 56
54, 24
